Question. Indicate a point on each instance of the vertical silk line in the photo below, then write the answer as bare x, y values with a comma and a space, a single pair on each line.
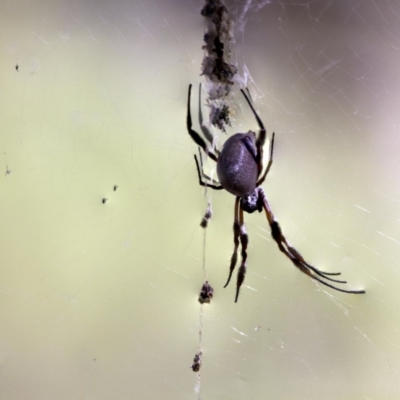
204, 225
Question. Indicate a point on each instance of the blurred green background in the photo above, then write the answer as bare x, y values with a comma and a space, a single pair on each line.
99, 301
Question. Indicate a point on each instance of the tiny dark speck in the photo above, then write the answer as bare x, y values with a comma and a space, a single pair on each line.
16, 67
104, 200
115, 188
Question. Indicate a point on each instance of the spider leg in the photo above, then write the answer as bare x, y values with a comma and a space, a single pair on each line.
244, 241
271, 152
239, 234
206, 132
201, 174
204, 175
261, 136
296, 258
263, 132
194, 135
236, 234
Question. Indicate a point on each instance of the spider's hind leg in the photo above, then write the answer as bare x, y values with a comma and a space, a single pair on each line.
295, 256
239, 235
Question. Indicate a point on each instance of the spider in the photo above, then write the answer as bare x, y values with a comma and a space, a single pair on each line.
240, 172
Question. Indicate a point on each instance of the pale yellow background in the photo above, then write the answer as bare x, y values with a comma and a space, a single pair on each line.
99, 301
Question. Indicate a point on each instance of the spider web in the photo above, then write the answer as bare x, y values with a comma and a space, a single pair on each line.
103, 257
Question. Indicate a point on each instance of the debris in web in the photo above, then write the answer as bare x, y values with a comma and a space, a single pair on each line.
197, 362
220, 116
206, 293
207, 216
216, 65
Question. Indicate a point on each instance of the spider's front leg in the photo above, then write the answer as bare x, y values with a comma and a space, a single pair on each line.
297, 259
193, 134
211, 183
239, 234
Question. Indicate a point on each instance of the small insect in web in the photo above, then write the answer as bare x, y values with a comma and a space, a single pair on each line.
240, 172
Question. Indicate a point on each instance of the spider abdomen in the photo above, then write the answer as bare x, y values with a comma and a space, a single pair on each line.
237, 166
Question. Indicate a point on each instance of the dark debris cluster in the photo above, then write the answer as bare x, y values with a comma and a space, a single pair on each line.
216, 64
217, 39
197, 362
206, 293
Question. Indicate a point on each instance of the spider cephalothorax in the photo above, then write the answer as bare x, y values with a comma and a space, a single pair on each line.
240, 172
252, 202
